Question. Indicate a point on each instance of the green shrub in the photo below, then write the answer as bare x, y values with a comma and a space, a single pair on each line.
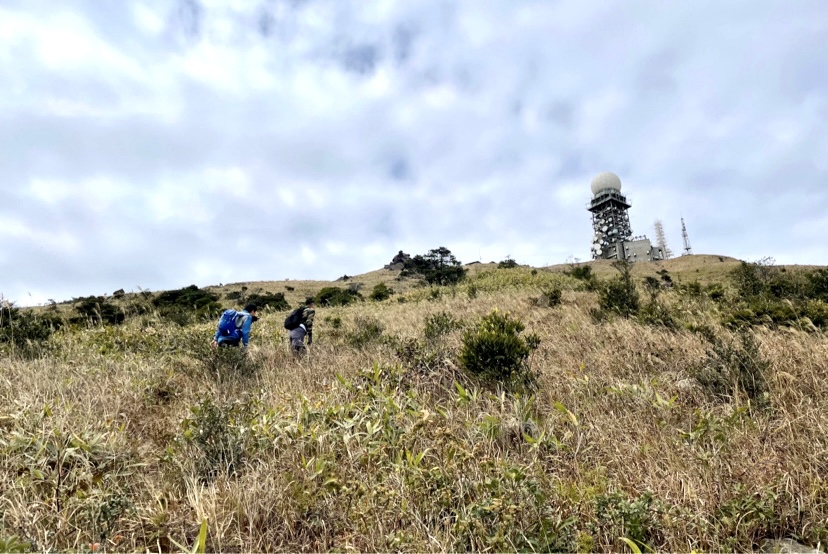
635, 520
96, 310
549, 297
818, 284
26, 332
381, 292
186, 305
747, 518
692, 289
655, 312
581, 272
733, 366
217, 438
619, 295
334, 296
440, 324
191, 297
715, 292
495, 350
508, 263
273, 301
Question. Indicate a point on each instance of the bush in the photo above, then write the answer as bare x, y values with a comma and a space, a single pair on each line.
26, 332
619, 295
819, 284
508, 263
633, 519
189, 304
217, 438
334, 296
96, 310
275, 301
495, 350
732, 366
549, 297
381, 292
581, 272
440, 324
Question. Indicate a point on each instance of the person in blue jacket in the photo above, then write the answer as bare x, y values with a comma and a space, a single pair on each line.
244, 320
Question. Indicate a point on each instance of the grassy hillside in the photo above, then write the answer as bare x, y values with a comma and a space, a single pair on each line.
698, 422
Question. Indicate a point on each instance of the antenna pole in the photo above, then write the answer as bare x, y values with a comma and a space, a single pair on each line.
687, 249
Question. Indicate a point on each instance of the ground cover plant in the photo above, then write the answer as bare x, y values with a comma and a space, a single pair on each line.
396, 433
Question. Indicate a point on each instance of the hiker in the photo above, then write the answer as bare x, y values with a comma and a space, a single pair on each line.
234, 327
302, 317
297, 340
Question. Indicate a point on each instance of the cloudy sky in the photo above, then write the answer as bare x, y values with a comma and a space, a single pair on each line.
158, 144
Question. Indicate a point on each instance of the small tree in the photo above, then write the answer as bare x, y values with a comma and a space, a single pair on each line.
438, 267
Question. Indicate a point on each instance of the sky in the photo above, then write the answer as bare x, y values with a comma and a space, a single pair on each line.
157, 144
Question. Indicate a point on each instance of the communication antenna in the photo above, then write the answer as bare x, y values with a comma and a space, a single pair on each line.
687, 249
661, 241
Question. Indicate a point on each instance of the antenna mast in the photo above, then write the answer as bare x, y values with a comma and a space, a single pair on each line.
661, 241
687, 249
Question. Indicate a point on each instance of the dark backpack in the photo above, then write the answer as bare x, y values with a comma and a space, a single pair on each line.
294, 319
230, 322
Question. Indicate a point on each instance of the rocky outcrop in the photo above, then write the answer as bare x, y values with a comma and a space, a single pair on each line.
788, 546
398, 262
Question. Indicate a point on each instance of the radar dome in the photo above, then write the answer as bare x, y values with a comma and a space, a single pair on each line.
605, 180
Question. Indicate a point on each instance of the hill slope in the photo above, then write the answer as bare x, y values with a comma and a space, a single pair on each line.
669, 428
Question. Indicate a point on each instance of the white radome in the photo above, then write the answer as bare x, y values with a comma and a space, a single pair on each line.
605, 180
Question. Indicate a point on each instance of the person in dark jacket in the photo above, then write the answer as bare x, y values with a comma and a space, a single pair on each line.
307, 318
297, 341
244, 321
305, 329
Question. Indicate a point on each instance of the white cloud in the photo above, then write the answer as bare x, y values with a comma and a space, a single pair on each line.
353, 129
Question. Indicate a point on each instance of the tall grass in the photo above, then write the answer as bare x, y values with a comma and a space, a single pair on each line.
132, 437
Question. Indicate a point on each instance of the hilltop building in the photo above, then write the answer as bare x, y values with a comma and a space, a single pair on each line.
613, 238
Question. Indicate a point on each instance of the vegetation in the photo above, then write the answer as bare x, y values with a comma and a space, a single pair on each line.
495, 350
335, 296
438, 267
381, 292
450, 421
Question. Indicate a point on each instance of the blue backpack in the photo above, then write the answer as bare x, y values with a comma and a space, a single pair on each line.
230, 322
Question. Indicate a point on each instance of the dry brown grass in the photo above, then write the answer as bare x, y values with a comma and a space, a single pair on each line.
618, 440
